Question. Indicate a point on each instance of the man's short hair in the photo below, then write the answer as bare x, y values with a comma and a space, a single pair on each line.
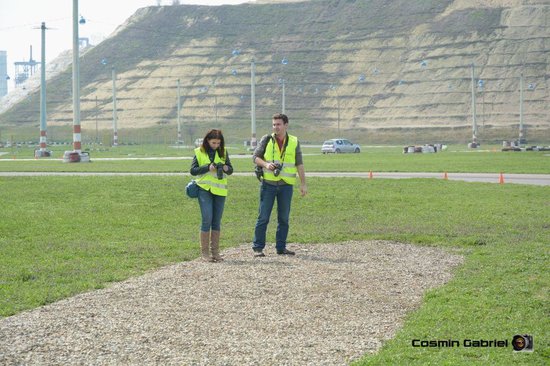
281, 116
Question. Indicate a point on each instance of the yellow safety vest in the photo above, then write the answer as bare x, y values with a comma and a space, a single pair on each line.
287, 158
209, 181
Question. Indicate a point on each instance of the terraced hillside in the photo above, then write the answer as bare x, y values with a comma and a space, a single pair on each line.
400, 68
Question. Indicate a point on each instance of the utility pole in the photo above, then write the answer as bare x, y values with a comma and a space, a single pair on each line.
115, 130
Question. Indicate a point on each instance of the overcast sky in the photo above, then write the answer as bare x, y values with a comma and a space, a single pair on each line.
19, 17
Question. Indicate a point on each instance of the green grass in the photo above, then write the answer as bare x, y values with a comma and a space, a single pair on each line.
385, 159
62, 236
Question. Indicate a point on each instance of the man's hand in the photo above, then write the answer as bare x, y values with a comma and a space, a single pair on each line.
269, 166
302, 175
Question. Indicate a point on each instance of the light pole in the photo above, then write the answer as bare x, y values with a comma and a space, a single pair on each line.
338, 102
115, 116
284, 104
253, 103
481, 85
76, 155
77, 138
332, 87
43, 152
474, 143
115, 129
179, 114
284, 61
214, 84
522, 139
96, 124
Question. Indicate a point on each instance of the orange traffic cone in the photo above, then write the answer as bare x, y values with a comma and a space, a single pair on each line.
445, 176
501, 179
370, 174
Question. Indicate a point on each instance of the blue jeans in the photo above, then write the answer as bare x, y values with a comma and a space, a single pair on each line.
268, 194
211, 210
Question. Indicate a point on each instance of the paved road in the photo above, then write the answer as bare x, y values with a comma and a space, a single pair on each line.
533, 179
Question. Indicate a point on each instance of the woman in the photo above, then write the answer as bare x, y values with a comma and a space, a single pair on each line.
211, 164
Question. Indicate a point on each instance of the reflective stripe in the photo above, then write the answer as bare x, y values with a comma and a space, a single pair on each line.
212, 184
290, 175
221, 186
212, 174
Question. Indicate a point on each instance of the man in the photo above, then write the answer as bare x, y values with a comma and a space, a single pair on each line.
280, 157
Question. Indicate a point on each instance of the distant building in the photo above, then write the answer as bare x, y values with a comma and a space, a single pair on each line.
3, 73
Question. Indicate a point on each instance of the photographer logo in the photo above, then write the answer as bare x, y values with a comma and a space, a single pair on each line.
522, 343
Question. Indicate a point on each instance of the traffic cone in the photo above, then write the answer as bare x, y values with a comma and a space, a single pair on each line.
370, 174
501, 179
445, 176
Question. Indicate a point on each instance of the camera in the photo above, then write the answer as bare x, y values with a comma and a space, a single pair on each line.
522, 343
219, 170
277, 170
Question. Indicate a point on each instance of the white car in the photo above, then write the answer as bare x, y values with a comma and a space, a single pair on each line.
340, 146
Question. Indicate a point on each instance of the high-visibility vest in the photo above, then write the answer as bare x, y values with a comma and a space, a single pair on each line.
209, 181
287, 158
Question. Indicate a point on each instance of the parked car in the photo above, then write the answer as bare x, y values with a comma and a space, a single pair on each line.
340, 146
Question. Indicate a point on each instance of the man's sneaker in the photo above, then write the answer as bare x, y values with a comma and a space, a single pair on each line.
285, 252
258, 253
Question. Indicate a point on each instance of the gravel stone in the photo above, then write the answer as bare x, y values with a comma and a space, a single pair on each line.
328, 305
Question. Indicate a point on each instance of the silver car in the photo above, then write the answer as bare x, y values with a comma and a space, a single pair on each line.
340, 146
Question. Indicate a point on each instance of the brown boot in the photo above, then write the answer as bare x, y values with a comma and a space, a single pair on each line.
215, 246
205, 253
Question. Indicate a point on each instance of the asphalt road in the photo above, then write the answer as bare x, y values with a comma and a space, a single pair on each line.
532, 179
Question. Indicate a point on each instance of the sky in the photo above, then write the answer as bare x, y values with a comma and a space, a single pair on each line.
18, 18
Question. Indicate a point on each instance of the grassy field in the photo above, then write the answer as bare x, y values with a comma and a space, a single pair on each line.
378, 159
60, 236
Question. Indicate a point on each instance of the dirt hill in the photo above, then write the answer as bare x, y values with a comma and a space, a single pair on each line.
400, 68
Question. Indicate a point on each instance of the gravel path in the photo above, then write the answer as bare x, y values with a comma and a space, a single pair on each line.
328, 305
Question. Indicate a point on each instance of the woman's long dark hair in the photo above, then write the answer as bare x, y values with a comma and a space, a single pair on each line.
214, 134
